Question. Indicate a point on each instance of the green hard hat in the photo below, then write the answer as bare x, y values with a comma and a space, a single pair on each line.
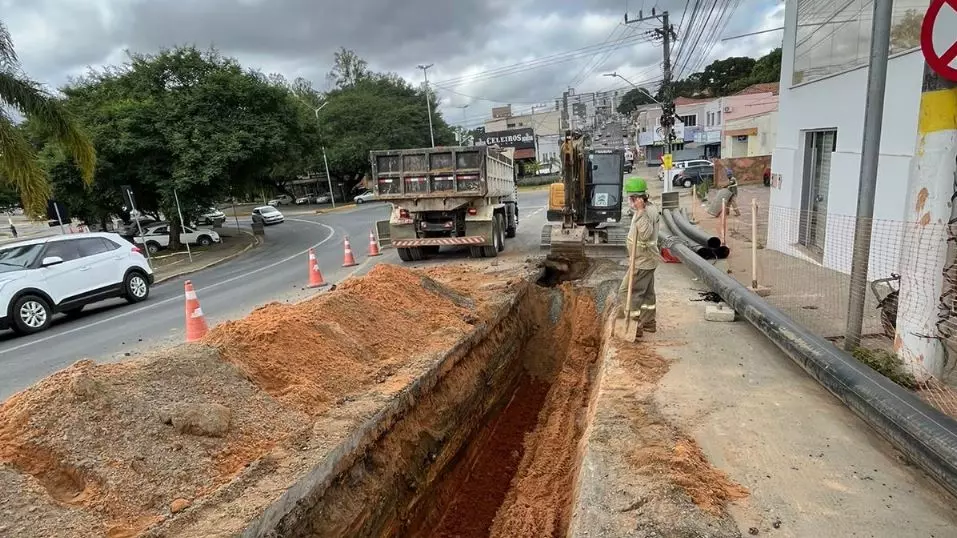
636, 185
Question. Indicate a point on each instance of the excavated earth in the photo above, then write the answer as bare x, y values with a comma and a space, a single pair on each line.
453, 401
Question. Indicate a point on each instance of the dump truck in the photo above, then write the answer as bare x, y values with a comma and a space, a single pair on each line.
586, 203
447, 196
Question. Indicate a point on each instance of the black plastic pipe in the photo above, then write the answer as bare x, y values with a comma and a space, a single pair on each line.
925, 435
695, 233
701, 250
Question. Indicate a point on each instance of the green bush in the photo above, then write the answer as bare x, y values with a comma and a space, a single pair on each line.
887, 364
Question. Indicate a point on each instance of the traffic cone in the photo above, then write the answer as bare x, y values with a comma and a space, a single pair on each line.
196, 327
348, 260
373, 245
315, 277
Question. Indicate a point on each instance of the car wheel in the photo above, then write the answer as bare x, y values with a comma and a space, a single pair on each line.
31, 314
152, 247
687, 183
136, 287
359, 200
204, 240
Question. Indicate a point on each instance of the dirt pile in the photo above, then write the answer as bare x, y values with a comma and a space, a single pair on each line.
113, 449
310, 354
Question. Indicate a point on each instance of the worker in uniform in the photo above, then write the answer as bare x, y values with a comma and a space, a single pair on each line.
733, 187
643, 239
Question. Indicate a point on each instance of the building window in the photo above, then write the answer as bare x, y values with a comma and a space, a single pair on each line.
835, 36
718, 120
690, 120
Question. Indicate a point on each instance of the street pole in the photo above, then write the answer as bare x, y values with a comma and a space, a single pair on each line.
428, 100
870, 155
56, 209
182, 223
925, 309
332, 196
462, 133
666, 33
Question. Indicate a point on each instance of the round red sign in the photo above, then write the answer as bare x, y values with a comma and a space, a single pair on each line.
939, 59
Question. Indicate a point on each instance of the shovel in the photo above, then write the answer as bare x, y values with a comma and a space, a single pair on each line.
629, 335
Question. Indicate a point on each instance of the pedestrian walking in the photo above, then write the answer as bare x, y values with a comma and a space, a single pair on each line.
643, 236
13, 229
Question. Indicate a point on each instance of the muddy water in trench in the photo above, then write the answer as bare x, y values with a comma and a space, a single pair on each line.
516, 475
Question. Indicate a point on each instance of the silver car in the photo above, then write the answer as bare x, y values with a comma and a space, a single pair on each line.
267, 215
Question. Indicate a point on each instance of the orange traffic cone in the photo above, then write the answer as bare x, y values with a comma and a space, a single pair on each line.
196, 327
315, 277
348, 260
373, 245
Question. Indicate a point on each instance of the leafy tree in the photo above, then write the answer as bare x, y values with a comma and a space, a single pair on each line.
348, 69
905, 34
183, 120
632, 100
379, 111
19, 164
721, 75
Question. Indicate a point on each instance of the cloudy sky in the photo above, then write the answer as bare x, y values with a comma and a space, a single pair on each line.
485, 52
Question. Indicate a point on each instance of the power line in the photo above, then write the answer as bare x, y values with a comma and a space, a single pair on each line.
544, 61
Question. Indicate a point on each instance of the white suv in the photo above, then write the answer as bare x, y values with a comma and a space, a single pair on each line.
64, 273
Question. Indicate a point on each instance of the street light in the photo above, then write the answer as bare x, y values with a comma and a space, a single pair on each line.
428, 101
332, 196
615, 74
462, 141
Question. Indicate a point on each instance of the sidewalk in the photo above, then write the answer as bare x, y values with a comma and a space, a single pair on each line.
810, 466
168, 265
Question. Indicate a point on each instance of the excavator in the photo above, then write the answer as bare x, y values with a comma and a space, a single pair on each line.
586, 206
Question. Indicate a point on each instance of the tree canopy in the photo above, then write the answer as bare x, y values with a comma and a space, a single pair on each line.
633, 99
729, 76
20, 166
186, 120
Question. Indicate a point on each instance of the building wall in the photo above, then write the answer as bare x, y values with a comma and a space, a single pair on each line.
837, 102
546, 122
752, 104
762, 143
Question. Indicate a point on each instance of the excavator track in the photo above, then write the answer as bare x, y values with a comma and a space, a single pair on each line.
580, 242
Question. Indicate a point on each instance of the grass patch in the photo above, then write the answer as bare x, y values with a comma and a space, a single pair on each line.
887, 364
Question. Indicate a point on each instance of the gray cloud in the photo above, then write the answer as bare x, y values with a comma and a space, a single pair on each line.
60, 38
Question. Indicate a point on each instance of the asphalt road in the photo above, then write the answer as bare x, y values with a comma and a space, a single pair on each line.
275, 271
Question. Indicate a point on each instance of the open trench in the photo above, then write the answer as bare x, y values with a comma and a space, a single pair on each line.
490, 447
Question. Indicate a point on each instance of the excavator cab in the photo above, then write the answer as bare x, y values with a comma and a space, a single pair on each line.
587, 202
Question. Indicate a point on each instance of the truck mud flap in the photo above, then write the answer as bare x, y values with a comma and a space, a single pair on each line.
383, 234
439, 241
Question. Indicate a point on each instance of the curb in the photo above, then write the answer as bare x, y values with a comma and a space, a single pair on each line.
255, 243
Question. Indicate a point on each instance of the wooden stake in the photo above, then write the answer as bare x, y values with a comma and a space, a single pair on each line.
631, 282
724, 222
754, 243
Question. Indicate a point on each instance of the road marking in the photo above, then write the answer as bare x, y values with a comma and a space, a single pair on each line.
332, 233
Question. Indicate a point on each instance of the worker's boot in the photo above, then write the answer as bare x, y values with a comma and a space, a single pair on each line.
650, 327
639, 332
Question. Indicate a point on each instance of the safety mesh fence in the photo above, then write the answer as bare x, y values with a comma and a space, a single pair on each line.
804, 259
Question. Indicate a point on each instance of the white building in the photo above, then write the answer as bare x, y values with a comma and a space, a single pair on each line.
817, 157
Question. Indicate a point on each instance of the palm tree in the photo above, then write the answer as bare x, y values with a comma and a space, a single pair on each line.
19, 165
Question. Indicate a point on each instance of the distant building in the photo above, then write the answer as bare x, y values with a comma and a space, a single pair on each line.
533, 136
751, 120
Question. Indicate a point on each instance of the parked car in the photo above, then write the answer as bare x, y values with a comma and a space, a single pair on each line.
323, 199
307, 199
693, 175
367, 196
282, 199
681, 165
629, 167
61, 274
267, 214
156, 237
213, 217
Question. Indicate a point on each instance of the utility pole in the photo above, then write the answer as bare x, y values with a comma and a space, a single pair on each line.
666, 33
870, 154
428, 99
565, 111
462, 134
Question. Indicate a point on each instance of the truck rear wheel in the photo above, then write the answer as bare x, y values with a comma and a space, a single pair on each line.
500, 224
491, 251
405, 254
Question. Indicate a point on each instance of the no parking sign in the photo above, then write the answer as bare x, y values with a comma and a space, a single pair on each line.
938, 38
